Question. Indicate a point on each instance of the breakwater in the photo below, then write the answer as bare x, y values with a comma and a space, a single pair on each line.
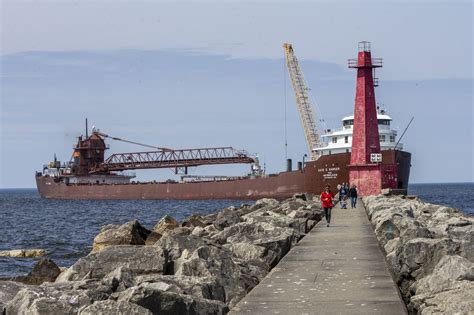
202, 265
430, 251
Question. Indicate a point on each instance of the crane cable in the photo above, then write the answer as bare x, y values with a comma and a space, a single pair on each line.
133, 142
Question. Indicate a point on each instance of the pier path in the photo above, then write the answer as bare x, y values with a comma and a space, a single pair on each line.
333, 270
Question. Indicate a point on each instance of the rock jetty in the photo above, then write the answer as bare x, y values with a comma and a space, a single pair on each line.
203, 265
430, 251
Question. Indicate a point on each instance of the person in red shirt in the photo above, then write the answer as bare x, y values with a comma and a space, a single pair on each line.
326, 200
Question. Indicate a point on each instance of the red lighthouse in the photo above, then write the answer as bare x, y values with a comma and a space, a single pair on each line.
366, 170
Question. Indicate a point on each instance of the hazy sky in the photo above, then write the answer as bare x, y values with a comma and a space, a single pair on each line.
211, 73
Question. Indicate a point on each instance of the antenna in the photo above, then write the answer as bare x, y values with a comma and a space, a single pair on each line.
87, 130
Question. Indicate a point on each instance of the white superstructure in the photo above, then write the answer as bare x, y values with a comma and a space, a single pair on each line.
340, 140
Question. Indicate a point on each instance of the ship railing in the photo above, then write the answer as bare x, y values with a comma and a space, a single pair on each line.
374, 62
128, 174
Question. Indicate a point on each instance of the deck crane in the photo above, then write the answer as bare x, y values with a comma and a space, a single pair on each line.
88, 157
303, 102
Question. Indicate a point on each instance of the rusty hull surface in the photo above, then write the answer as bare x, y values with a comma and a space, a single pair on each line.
328, 169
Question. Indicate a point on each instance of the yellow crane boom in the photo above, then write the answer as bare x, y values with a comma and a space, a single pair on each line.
303, 102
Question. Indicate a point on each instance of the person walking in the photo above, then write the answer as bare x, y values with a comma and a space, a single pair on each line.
327, 197
343, 196
353, 195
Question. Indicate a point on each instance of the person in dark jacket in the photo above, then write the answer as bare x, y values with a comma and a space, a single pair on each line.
353, 195
327, 197
343, 192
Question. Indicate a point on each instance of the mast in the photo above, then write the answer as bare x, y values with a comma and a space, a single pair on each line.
303, 103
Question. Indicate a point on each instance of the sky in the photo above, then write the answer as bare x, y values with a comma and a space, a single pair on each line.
202, 73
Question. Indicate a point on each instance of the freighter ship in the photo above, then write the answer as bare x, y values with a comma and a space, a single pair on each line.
365, 152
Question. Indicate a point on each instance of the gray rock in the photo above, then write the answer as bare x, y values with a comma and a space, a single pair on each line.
210, 261
276, 219
152, 238
392, 245
193, 221
419, 256
264, 203
173, 245
230, 216
160, 302
165, 224
115, 308
276, 240
203, 287
199, 231
8, 290
448, 274
138, 259
45, 270
246, 251
57, 298
119, 279
130, 233
456, 301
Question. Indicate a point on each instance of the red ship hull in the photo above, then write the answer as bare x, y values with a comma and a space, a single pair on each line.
328, 169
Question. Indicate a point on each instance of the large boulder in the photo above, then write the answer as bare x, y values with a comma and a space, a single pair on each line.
57, 298
174, 243
152, 238
390, 225
451, 272
165, 224
290, 205
247, 252
194, 220
191, 256
230, 216
203, 287
130, 233
456, 301
419, 256
8, 290
160, 301
277, 219
276, 240
45, 270
137, 259
114, 307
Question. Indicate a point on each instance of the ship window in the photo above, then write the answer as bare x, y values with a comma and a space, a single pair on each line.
383, 122
347, 150
346, 139
382, 138
392, 138
334, 139
349, 122
329, 152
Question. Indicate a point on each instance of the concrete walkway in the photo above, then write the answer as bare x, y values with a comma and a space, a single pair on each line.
333, 270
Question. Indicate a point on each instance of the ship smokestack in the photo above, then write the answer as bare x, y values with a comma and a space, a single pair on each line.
87, 130
289, 165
